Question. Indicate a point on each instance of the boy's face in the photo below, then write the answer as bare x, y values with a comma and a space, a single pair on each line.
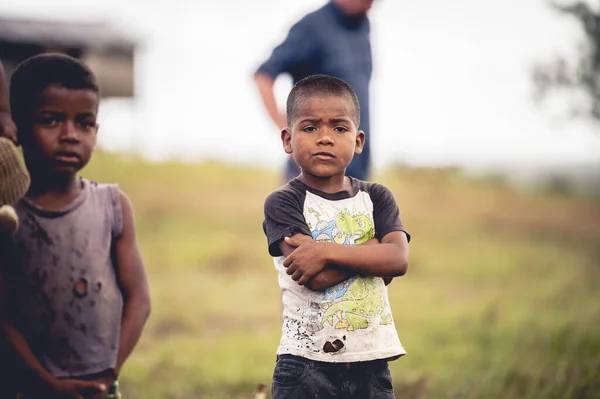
63, 130
323, 136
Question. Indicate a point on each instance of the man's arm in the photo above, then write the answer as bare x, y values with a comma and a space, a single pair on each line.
265, 83
388, 259
298, 49
133, 283
8, 128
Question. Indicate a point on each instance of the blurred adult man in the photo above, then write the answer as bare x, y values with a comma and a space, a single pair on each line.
333, 40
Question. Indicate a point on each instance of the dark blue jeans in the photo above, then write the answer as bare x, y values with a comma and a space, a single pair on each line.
300, 378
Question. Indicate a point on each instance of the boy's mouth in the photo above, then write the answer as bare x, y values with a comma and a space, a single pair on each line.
67, 157
324, 155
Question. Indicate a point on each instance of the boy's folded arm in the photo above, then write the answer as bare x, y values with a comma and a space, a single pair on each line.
375, 241
133, 282
388, 259
328, 277
287, 249
332, 275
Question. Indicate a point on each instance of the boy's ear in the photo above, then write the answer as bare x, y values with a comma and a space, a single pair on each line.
96, 137
286, 140
360, 142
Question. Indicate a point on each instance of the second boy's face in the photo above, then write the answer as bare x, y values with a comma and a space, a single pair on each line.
323, 138
63, 130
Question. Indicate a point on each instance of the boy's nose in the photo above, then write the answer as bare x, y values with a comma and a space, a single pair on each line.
325, 137
68, 131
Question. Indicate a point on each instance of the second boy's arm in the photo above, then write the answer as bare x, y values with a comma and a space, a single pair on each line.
16, 341
43, 380
388, 259
133, 283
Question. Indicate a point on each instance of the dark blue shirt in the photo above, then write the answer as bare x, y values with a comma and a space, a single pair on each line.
326, 41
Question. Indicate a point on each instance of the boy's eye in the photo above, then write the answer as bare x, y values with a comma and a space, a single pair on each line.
88, 124
47, 120
309, 129
340, 129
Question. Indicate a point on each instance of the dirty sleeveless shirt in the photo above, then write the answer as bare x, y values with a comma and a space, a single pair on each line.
63, 290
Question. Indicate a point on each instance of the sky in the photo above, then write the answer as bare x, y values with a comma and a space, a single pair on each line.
451, 83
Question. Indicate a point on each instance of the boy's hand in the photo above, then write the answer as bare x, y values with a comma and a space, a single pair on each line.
107, 380
76, 389
306, 261
8, 128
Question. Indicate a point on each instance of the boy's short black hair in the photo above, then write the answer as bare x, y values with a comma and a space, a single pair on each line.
35, 74
320, 85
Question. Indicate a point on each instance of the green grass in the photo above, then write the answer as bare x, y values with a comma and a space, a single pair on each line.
502, 297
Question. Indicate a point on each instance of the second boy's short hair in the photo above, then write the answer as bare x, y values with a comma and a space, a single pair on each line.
35, 74
320, 85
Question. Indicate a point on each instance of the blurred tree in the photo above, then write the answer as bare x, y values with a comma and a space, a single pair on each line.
583, 75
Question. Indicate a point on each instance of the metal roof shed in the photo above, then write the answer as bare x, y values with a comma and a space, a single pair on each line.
108, 51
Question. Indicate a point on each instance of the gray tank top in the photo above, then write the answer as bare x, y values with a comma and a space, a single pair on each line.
63, 288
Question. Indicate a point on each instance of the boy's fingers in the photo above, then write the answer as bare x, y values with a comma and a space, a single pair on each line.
292, 241
10, 135
287, 262
8, 129
291, 269
297, 275
91, 386
304, 278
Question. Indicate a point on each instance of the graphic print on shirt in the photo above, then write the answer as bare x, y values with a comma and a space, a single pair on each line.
355, 303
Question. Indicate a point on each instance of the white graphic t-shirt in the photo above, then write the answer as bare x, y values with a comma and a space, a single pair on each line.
351, 321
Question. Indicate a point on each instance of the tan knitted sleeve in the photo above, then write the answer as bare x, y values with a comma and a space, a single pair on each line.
14, 179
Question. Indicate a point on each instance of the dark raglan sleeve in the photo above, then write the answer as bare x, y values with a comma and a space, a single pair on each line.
386, 214
283, 218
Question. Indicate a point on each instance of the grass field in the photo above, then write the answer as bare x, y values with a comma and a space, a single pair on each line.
501, 300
